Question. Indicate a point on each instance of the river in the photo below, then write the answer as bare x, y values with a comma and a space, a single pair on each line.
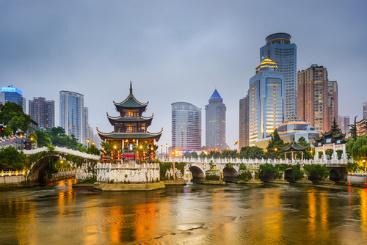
193, 214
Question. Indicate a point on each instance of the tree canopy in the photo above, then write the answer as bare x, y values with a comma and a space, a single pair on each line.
13, 117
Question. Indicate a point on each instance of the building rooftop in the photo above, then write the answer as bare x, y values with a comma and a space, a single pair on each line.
130, 102
215, 96
267, 63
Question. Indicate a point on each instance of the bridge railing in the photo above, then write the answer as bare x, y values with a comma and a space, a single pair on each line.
235, 161
63, 150
22, 172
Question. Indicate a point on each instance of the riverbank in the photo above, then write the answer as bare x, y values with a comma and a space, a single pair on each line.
129, 187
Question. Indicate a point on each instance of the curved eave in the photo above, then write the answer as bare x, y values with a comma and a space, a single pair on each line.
121, 136
114, 120
130, 103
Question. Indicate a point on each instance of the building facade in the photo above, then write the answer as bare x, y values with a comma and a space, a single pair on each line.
265, 98
365, 110
333, 101
292, 131
215, 122
279, 48
42, 111
344, 123
13, 95
71, 113
243, 123
186, 127
317, 98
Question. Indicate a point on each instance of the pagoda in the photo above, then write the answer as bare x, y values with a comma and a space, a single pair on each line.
130, 139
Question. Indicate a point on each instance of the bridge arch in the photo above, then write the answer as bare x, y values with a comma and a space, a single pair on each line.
42, 169
229, 174
197, 173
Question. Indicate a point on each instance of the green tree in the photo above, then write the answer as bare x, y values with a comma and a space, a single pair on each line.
13, 117
251, 152
353, 129
316, 172
11, 159
294, 174
275, 145
267, 172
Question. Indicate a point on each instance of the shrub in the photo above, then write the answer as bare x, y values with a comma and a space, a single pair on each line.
243, 173
316, 172
267, 172
295, 174
11, 159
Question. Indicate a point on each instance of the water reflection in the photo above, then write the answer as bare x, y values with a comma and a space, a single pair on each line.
193, 214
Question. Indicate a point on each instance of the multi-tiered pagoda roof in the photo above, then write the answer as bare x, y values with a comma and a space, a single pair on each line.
130, 124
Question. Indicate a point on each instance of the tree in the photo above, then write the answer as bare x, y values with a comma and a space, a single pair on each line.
275, 145
13, 117
307, 152
295, 174
11, 159
267, 172
42, 137
358, 148
316, 172
252, 152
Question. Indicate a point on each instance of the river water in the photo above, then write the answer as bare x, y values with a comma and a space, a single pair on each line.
193, 214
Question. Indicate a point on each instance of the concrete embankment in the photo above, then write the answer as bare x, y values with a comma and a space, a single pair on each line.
129, 187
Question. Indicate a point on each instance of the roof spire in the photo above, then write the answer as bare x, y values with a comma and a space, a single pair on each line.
131, 87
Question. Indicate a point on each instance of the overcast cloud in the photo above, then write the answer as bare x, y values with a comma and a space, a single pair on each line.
174, 50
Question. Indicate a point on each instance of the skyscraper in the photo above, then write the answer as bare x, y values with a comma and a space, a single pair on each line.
317, 98
86, 128
243, 123
344, 123
333, 101
71, 113
42, 111
215, 122
186, 127
14, 95
279, 48
365, 110
265, 98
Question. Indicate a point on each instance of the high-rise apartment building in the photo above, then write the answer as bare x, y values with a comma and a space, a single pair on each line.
365, 110
344, 123
317, 98
265, 98
42, 111
215, 120
333, 101
279, 48
186, 127
14, 95
243, 123
71, 113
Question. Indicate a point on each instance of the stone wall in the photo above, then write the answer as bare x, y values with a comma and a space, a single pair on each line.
12, 179
86, 171
128, 173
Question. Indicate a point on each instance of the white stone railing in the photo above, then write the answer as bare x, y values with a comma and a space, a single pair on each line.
129, 165
22, 172
64, 151
220, 161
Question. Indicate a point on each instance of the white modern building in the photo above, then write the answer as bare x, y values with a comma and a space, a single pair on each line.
266, 104
292, 131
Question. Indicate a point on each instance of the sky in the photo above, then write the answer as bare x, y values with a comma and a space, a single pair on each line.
174, 51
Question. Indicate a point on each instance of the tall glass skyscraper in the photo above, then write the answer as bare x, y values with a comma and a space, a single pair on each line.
71, 113
215, 122
186, 127
14, 95
279, 48
265, 98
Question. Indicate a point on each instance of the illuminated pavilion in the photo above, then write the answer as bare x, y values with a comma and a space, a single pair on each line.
130, 138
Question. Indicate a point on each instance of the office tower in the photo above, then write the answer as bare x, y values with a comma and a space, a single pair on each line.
243, 123
85, 125
333, 101
265, 97
42, 111
186, 127
215, 124
365, 110
317, 98
14, 95
344, 122
279, 48
71, 113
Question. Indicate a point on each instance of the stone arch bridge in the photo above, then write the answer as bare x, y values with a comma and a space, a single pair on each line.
197, 168
42, 162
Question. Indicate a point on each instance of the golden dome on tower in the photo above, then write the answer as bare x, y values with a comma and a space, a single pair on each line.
267, 63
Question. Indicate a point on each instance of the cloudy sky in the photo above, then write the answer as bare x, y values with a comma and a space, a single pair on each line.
174, 50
